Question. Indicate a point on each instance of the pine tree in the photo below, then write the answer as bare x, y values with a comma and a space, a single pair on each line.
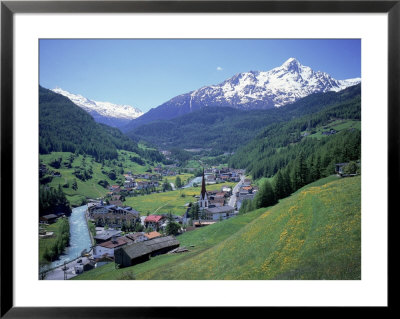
265, 196
279, 186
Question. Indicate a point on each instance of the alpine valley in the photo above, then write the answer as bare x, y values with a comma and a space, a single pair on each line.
257, 177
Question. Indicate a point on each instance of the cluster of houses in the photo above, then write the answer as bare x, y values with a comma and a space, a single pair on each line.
225, 174
167, 170
112, 215
246, 191
116, 216
213, 205
130, 249
139, 182
108, 240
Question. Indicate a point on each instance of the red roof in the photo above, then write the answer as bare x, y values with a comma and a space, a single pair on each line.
153, 218
120, 241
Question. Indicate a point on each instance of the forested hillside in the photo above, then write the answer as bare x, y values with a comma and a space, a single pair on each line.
280, 144
225, 129
64, 127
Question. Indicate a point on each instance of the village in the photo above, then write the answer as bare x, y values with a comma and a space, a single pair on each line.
127, 237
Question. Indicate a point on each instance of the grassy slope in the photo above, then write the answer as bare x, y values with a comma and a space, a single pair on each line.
313, 234
48, 242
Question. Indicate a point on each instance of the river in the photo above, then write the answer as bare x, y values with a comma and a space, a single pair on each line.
79, 238
196, 180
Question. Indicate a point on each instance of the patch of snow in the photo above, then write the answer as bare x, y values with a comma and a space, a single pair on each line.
106, 109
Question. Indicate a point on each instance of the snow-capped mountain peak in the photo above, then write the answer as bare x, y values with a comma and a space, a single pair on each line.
252, 90
103, 112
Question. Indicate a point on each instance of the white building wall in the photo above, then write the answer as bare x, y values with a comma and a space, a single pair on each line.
99, 251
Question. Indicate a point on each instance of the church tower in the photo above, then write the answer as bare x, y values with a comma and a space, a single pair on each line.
203, 201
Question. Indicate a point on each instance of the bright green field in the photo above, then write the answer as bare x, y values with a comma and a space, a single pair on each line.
89, 188
165, 202
313, 234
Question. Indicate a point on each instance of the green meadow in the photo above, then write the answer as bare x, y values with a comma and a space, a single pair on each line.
90, 188
172, 201
313, 234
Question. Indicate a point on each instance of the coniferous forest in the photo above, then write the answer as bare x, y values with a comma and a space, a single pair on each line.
64, 127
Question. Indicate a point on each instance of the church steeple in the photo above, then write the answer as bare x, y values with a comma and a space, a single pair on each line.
203, 187
203, 201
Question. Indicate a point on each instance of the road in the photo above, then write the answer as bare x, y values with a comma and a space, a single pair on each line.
233, 198
58, 273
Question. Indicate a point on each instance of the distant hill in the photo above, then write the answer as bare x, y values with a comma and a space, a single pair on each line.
251, 90
225, 129
65, 127
315, 234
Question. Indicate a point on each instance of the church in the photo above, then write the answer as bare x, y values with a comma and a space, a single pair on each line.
203, 200
212, 213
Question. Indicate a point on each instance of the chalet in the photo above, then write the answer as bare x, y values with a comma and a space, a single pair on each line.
247, 182
107, 235
217, 213
48, 219
217, 202
137, 237
339, 169
140, 252
129, 183
175, 218
107, 248
114, 216
142, 185
210, 178
227, 190
154, 221
247, 189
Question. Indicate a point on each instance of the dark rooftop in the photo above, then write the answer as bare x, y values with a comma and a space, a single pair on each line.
146, 247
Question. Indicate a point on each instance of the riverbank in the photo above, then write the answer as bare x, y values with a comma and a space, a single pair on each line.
51, 247
88, 227
80, 240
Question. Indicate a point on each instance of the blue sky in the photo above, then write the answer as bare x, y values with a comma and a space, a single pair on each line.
147, 73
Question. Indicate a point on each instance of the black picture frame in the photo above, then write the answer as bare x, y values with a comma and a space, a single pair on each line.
9, 8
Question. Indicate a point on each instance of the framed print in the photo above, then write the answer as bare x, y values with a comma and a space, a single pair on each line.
175, 154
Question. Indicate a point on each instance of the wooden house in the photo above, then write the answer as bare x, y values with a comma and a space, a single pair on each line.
140, 252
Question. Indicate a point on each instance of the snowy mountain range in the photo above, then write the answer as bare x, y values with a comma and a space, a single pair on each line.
250, 90
114, 115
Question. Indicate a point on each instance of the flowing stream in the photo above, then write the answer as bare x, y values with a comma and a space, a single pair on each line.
79, 239
196, 180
